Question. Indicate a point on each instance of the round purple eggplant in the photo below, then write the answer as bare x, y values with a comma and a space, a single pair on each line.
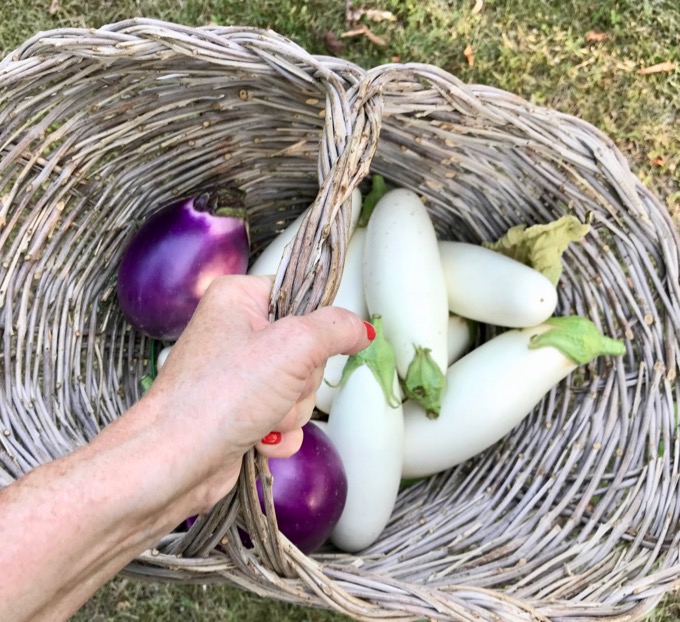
309, 490
175, 255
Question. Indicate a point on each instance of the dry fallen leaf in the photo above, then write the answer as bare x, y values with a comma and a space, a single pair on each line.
55, 7
658, 161
375, 38
354, 32
595, 36
352, 15
479, 4
658, 68
364, 30
333, 44
470, 55
380, 16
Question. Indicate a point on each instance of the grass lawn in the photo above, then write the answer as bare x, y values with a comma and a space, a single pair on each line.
599, 60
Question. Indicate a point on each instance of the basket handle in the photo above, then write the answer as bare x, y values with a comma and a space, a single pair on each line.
309, 273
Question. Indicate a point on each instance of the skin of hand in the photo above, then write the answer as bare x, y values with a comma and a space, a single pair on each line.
70, 525
268, 381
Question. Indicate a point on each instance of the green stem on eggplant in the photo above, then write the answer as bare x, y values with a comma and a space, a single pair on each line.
379, 358
378, 190
578, 339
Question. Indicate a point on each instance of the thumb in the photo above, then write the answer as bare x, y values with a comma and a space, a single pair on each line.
328, 331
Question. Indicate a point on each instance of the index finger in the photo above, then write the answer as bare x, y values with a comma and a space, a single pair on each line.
326, 332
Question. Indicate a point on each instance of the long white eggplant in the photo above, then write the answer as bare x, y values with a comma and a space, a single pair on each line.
489, 287
404, 283
460, 337
268, 261
162, 357
366, 425
350, 296
490, 390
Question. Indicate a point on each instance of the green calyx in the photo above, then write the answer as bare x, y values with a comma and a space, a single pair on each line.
378, 191
231, 212
380, 359
425, 382
224, 201
578, 339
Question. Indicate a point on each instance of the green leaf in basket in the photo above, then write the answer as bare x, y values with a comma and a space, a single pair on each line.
541, 246
145, 383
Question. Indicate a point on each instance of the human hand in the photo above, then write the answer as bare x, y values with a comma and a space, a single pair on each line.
233, 377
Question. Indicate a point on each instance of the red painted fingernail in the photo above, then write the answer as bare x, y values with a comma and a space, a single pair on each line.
370, 331
273, 438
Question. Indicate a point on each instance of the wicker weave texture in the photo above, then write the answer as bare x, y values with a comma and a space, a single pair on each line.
575, 515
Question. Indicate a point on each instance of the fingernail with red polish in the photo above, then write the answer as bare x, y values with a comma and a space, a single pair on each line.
273, 438
370, 331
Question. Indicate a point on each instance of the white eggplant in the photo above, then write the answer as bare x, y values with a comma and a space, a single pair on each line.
162, 357
366, 426
460, 337
490, 390
268, 261
404, 283
486, 286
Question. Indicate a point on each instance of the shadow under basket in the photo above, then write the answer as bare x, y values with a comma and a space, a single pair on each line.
573, 516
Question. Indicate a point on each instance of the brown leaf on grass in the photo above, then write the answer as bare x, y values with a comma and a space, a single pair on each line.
593, 36
333, 44
353, 15
55, 7
366, 32
375, 15
479, 5
375, 38
469, 53
658, 68
658, 161
354, 32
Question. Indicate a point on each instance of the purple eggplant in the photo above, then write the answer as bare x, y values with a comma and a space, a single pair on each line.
309, 491
175, 255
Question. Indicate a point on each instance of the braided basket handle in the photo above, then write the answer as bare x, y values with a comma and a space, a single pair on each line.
310, 270
309, 274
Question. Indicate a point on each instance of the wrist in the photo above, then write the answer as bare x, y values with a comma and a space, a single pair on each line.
166, 473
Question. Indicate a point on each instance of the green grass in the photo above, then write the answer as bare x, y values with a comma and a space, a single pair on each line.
123, 600
536, 48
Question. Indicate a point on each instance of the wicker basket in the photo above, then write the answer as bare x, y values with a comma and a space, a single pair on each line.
573, 516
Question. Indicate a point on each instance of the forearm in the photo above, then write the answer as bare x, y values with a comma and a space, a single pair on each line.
72, 524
